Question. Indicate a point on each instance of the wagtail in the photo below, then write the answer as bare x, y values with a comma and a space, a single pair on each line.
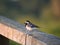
29, 26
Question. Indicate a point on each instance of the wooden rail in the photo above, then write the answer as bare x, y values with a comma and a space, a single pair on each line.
17, 32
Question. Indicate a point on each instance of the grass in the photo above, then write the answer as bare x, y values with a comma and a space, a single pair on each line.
13, 43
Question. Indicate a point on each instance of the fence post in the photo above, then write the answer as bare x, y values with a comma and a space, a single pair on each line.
17, 32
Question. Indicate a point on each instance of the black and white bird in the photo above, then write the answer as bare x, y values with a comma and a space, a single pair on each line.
29, 26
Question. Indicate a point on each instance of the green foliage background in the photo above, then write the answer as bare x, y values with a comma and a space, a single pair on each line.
38, 12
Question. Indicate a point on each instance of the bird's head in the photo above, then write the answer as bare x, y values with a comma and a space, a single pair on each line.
27, 22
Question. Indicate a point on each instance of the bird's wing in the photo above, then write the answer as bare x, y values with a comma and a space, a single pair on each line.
32, 25
36, 26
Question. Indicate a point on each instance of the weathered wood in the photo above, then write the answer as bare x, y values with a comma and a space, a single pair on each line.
17, 32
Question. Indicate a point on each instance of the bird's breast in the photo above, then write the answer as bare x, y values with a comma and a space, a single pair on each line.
28, 28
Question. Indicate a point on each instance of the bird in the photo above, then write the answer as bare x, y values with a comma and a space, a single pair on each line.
30, 26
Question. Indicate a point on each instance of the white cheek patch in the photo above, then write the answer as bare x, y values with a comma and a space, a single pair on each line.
28, 28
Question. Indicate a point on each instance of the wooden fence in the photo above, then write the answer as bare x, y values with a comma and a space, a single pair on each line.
17, 32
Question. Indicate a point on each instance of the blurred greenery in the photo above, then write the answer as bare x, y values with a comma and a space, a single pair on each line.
38, 12
13, 43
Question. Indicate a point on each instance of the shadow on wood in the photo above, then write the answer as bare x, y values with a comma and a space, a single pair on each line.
4, 40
